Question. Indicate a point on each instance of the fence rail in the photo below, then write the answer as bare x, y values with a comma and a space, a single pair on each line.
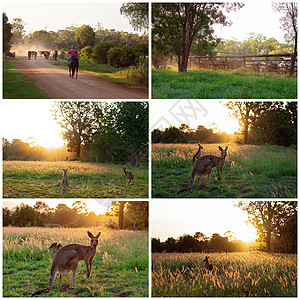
278, 63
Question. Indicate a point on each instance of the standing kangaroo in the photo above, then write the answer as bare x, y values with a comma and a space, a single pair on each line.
204, 165
208, 266
65, 182
66, 259
128, 175
198, 153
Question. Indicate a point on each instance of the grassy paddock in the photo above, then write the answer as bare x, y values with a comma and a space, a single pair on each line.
16, 85
30, 179
210, 84
249, 172
119, 269
105, 71
236, 275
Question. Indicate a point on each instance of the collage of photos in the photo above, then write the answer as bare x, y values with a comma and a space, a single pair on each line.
149, 149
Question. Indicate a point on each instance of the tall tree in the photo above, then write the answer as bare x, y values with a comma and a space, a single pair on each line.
117, 208
176, 26
243, 111
289, 25
18, 30
268, 216
7, 33
137, 13
78, 121
85, 36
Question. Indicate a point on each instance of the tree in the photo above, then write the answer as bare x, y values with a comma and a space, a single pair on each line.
7, 33
138, 212
41, 38
117, 208
176, 26
289, 25
137, 13
6, 213
78, 121
156, 245
268, 217
25, 215
85, 36
18, 30
243, 112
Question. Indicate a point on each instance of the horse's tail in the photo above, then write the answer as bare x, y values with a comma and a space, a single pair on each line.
39, 292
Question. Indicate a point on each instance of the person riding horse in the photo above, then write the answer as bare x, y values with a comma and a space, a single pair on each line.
73, 52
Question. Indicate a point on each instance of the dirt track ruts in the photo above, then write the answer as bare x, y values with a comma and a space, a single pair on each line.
55, 82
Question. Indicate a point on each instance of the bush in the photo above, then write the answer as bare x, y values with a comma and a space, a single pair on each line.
62, 54
137, 74
86, 52
127, 56
113, 57
141, 49
99, 55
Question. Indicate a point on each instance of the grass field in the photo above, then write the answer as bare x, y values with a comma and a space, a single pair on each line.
209, 84
249, 172
236, 275
12, 78
119, 269
29, 179
104, 71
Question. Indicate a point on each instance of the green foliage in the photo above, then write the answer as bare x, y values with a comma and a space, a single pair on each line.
208, 84
142, 49
138, 74
7, 33
85, 36
127, 56
86, 52
113, 57
17, 85
99, 55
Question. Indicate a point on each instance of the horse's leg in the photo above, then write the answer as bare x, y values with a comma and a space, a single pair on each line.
69, 71
76, 72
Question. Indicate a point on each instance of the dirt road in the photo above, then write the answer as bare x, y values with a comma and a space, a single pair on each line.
55, 82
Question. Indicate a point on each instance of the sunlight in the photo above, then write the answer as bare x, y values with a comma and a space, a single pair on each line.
248, 234
229, 125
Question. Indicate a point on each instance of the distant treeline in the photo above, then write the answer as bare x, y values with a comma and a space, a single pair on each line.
42, 215
185, 134
199, 243
217, 243
93, 131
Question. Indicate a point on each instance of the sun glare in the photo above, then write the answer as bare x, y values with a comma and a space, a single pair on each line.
229, 125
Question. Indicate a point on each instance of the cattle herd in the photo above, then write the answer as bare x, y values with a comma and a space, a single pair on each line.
46, 54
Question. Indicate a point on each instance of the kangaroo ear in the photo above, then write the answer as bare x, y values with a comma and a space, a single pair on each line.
97, 236
90, 235
220, 148
226, 148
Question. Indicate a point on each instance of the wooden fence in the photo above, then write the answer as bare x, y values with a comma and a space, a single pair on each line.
278, 63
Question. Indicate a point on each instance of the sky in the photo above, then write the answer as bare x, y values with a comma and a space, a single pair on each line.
98, 206
255, 17
54, 15
174, 217
191, 112
30, 119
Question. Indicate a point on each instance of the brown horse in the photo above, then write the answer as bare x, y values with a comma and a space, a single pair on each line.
29, 54
34, 54
55, 54
73, 66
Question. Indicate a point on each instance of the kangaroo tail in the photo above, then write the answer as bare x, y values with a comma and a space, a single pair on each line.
39, 292
183, 190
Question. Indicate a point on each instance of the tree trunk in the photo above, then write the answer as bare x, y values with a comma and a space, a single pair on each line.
78, 148
135, 158
294, 56
121, 214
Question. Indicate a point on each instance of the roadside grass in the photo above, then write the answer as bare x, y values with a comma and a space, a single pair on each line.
249, 172
210, 84
117, 75
30, 179
119, 269
17, 85
248, 274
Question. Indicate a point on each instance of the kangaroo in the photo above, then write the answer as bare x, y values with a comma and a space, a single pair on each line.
128, 175
198, 153
208, 266
55, 246
204, 165
64, 182
66, 259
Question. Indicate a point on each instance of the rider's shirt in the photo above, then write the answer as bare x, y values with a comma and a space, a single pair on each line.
73, 52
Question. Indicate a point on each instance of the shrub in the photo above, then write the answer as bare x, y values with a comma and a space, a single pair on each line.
86, 52
127, 56
137, 74
99, 55
141, 49
113, 57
